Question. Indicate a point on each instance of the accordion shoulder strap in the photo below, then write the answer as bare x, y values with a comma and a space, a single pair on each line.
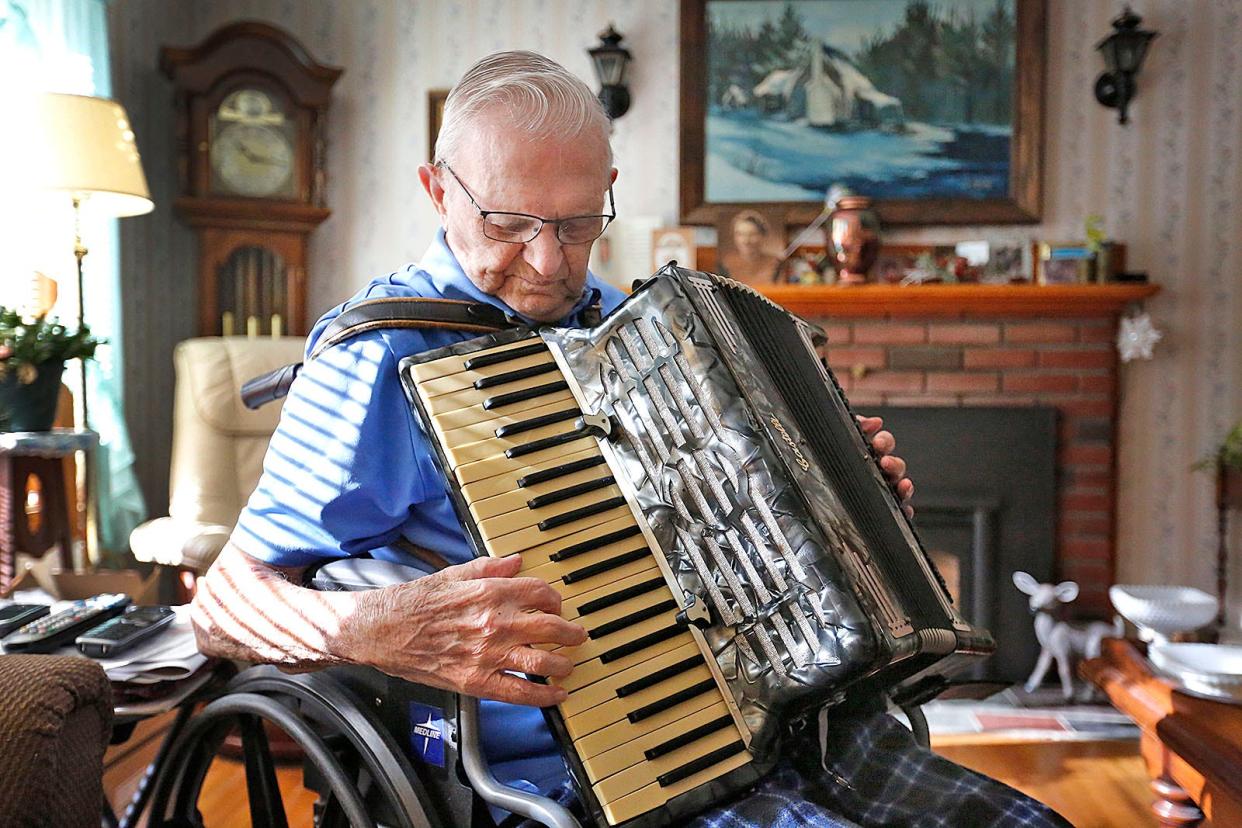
412, 312
375, 314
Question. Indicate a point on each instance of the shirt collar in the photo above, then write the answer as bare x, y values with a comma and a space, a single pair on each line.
451, 282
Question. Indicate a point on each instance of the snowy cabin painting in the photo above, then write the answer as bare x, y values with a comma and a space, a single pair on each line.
828, 91
894, 98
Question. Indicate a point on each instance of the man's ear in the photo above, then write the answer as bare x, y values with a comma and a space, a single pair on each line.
433, 185
612, 178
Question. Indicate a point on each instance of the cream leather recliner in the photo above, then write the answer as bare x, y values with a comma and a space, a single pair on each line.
218, 447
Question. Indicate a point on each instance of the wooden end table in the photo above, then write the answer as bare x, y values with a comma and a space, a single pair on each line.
1192, 747
39, 454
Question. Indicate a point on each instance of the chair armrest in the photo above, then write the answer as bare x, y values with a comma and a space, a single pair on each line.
177, 542
355, 574
54, 727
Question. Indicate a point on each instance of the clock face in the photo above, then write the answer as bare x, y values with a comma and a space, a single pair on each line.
251, 147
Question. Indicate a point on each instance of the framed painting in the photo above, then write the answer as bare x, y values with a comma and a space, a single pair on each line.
435, 117
934, 110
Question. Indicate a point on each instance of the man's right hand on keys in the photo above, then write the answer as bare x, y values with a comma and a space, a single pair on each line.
462, 629
465, 627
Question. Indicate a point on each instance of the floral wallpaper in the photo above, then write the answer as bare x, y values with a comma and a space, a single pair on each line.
1168, 185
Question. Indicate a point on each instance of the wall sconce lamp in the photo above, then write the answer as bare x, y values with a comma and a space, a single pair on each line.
1123, 52
611, 60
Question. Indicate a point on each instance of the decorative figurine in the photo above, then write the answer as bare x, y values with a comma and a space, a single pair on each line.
1061, 640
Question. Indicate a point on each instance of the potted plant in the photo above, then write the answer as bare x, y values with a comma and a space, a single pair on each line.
1226, 462
33, 352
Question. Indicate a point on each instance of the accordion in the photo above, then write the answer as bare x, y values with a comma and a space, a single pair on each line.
690, 478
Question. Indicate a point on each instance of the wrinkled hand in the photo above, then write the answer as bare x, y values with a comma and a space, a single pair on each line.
894, 467
465, 627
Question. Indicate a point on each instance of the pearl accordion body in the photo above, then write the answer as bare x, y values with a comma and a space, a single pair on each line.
690, 478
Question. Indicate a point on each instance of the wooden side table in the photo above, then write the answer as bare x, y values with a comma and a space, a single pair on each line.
1192, 747
38, 454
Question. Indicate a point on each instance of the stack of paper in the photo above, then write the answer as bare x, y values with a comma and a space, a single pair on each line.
170, 655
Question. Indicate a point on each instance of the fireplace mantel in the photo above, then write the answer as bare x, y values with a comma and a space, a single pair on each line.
960, 301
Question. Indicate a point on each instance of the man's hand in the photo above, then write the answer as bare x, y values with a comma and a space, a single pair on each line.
468, 627
460, 629
894, 467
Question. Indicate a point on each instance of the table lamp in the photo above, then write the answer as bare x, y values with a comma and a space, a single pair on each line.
87, 152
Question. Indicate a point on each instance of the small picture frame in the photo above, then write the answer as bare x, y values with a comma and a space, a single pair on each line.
896, 261
1064, 263
669, 244
1009, 263
919, 264
750, 245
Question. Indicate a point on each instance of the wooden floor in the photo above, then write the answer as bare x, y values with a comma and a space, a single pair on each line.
1093, 784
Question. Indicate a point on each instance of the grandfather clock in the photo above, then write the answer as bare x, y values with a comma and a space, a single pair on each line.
251, 115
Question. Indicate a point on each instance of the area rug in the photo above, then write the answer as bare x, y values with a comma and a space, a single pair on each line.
1014, 715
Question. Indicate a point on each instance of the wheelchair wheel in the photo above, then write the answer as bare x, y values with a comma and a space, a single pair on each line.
367, 780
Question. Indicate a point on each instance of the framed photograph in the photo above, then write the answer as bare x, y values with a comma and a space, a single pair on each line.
750, 245
897, 261
933, 110
917, 264
673, 244
1070, 263
435, 117
1009, 263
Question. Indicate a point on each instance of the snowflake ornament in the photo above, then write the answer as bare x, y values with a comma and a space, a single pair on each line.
1137, 337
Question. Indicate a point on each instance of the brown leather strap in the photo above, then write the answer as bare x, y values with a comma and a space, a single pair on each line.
375, 314
394, 312
412, 312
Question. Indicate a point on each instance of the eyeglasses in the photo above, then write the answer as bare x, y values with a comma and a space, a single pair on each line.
520, 228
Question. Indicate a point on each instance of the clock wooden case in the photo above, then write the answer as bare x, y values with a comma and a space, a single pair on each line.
252, 108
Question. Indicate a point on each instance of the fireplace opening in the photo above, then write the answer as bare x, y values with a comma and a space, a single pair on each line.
985, 503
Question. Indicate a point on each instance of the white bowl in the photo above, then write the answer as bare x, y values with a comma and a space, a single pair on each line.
1211, 670
1164, 610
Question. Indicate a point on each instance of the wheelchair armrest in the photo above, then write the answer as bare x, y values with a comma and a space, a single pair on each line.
354, 574
491, 790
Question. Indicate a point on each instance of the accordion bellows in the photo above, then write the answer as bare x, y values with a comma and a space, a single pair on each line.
690, 477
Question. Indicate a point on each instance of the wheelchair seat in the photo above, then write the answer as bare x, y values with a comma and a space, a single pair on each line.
378, 750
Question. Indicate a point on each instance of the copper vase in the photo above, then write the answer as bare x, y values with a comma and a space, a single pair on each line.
853, 239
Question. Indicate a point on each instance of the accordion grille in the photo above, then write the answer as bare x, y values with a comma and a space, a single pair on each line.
776, 340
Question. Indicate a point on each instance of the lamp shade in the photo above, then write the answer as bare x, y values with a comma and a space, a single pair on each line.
87, 150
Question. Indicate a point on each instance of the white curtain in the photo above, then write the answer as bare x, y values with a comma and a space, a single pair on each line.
62, 46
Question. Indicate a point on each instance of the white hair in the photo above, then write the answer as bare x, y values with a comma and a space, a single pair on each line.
540, 97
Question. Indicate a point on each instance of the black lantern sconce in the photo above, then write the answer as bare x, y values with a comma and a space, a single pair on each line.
1123, 52
611, 61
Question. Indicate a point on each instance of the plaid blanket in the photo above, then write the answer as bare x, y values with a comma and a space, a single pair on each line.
867, 770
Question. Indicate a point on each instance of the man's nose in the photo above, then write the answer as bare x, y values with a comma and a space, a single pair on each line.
544, 252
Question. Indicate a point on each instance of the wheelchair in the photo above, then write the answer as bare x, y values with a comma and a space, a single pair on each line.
357, 729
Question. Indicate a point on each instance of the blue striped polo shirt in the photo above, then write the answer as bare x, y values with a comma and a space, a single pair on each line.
349, 472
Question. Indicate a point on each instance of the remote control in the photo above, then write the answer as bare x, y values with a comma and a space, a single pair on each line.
50, 632
118, 634
19, 615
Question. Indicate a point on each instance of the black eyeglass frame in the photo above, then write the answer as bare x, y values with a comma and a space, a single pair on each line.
483, 214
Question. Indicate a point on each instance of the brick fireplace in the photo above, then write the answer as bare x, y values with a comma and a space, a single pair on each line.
984, 345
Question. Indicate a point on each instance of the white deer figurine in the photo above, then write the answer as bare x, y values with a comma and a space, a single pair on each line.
1062, 640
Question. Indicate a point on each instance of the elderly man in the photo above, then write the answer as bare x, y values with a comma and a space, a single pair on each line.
522, 182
